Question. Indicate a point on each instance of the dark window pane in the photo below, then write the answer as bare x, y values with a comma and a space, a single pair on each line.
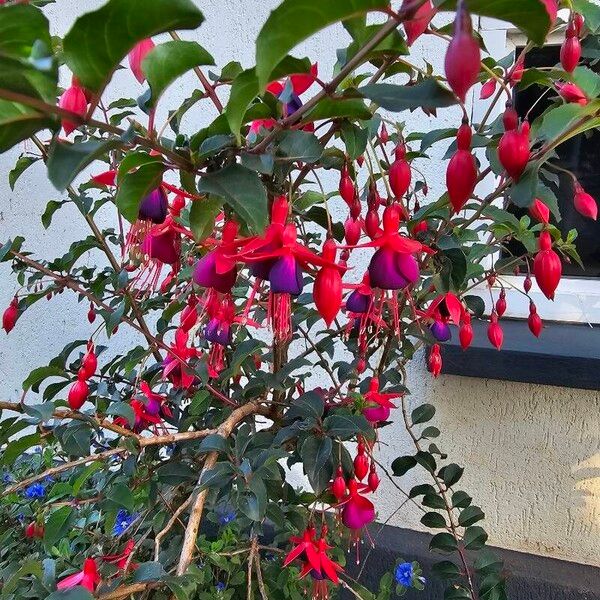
581, 155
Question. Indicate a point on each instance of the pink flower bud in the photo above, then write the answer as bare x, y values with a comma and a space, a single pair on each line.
584, 204
547, 267
487, 89
73, 99
463, 56
539, 211
495, 333
572, 93
10, 315
137, 55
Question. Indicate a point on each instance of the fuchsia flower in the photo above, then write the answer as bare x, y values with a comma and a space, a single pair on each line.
419, 23
358, 511
300, 82
379, 403
174, 367
572, 93
137, 55
120, 560
73, 99
89, 578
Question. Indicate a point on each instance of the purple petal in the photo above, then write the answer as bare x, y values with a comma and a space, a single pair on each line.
408, 267
217, 332
440, 331
285, 276
357, 302
205, 274
161, 247
383, 272
154, 207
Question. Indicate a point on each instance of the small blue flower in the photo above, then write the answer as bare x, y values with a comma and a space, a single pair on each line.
220, 587
21, 518
35, 490
7, 477
404, 574
123, 521
226, 517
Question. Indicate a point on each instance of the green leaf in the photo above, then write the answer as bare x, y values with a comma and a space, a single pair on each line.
16, 448
299, 146
18, 122
309, 405
22, 77
530, 16
345, 426
461, 499
475, 538
202, 216
99, 40
57, 525
148, 571
355, 138
86, 474
493, 587
591, 11
122, 409
217, 477
176, 473
446, 570
422, 414
21, 26
568, 120
523, 192
427, 94
336, 108
121, 495
451, 474
433, 520
294, 21
136, 185
35, 378
433, 501
66, 161
214, 443
470, 515
243, 89
23, 163
444, 542
243, 190
316, 455
403, 464
30, 567
166, 62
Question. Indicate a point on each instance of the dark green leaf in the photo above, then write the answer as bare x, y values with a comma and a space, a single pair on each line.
422, 414
168, 61
475, 538
21, 26
136, 185
217, 477
202, 216
523, 192
403, 464
57, 525
426, 461
345, 426
469, 515
18, 122
176, 473
35, 378
99, 40
23, 163
444, 542
242, 189
530, 16
66, 161
446, 570
243, 90
299, 146
434, 501
294, 21
461, 499
16, 448
337, 108
355, 138
122, 409
475, 304
121, 495
428, 95
430, 432
213, 443
451, 474
316, 457
148, 571
433, 520
309, 405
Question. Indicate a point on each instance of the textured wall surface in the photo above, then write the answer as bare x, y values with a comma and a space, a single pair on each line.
532, 452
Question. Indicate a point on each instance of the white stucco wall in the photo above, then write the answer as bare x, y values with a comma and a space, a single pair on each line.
532, 452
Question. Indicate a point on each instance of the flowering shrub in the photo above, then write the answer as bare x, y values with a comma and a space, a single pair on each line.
164, 471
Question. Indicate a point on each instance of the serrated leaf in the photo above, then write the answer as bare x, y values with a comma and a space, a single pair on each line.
243, 190
99, 40
167, 62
